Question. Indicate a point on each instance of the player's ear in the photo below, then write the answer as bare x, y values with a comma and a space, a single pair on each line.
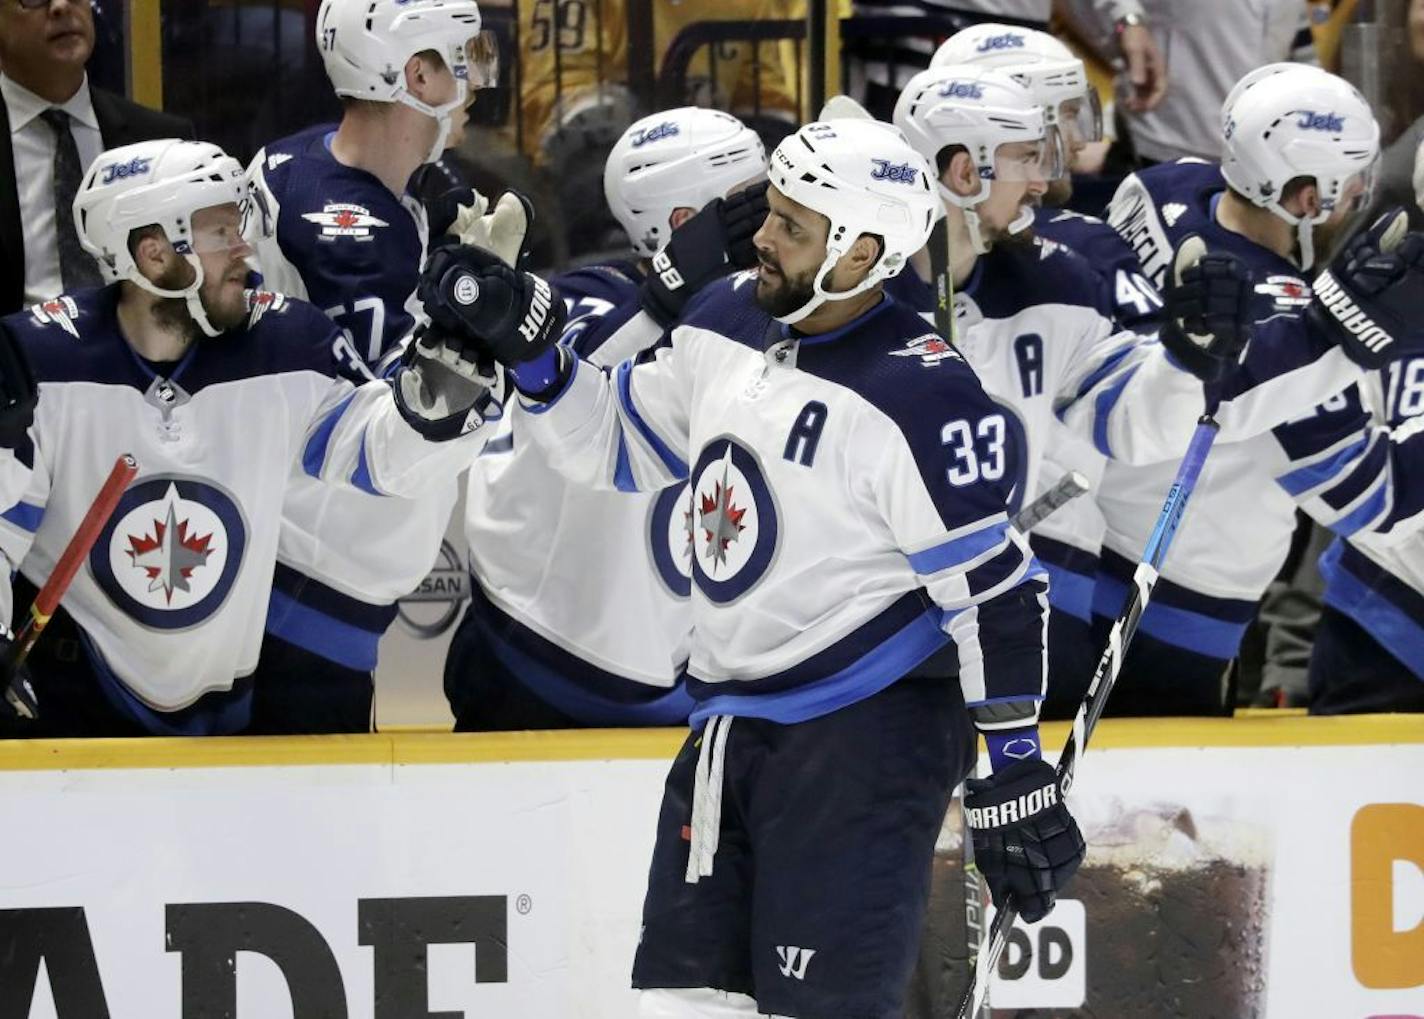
150, 250
680, 215
1301, 197
417, 75
960, 174
862, 256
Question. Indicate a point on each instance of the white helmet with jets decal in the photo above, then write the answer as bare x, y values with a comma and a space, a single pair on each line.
1040, 62
865, 178
678, 158
161, 183
1285, 121
982, 110
365, 45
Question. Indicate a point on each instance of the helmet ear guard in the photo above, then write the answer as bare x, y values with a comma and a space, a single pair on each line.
864, 177
164, 184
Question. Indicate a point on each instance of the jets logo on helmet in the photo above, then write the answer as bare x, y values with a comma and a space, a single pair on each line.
961, 90
1312, 121
1009, 40
118, 171
666, 129
901, 173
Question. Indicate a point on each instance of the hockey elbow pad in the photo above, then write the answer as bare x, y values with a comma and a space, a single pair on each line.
1367, 300
705, 248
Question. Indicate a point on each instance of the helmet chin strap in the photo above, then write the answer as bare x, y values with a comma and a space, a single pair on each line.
189, 294
440, 114
971, 218
819, 294
1304, 233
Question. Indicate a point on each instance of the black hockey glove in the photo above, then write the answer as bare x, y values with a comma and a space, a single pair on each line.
18, 700
1368, 299
1026, 844
1207, 315
705, 248
18, 392
481, 306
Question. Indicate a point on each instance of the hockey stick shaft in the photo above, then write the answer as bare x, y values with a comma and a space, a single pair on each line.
47, 600
1068, 488
1109, 665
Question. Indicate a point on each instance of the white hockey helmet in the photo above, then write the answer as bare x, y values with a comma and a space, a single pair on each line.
678, 158
365, 45
982, 110
865, 178
1037, 60
158, 183
1282, 122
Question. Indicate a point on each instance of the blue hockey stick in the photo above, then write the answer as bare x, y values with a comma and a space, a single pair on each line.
1144, 579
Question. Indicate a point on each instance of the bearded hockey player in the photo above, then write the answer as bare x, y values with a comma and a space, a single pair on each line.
840, 539
222, 395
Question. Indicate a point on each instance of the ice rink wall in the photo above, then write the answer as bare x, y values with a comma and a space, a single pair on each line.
1264, 866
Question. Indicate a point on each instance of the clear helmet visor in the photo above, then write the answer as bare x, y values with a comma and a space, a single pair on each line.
258, 223
220, 229
478, 61
1358, 191
1042, 160
1079, 120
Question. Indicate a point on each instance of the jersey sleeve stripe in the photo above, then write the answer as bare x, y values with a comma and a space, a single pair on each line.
670, 460
1102, 411
1370, 470
1109, 365
361, 476
314, 457
1303, 479
1364, 514
25, 516
959, 551
623, 469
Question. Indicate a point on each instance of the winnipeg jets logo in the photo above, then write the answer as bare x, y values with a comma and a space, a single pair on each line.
720, 518
171, 551
672, 539
60, 311
341, 219
930, 348
733, 519
260, 302
1172, 211
1286, 292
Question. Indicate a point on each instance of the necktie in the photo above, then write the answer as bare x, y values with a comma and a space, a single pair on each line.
76, 267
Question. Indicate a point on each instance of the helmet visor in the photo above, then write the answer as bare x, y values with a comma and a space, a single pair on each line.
1080, 119
480, 59
218, 228
1358, 191
1044, 159
257, 221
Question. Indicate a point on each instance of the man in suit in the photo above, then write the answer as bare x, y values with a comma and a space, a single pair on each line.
53, 124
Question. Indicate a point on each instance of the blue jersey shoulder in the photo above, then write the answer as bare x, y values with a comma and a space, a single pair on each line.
1099, 244
1012, 277
613, 282
728, 307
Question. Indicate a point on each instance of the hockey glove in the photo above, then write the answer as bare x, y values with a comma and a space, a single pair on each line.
1207, 315
18, 700
1367, 300
705, 248
1026, 844
443, 394
464, 216
18, 392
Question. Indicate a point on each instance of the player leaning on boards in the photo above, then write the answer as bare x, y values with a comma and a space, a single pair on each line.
1300, 148
1068, 542
348, 236
222, 394
837, 545
580, 611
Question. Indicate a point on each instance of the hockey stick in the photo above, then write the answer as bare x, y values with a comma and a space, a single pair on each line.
1069, 487
47, 600
1144, 579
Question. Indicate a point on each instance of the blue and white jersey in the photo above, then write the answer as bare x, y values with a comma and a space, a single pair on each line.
343, 240
1135, 301
848, 514
175, 593
585, 594
1274, 451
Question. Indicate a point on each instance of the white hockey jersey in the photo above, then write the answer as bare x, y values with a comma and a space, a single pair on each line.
848, 513
584, 593
342, 240
175, 593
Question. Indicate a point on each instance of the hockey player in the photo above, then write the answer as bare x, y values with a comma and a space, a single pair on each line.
1300, 148
842, 534
222, 395
580, 612
350, 237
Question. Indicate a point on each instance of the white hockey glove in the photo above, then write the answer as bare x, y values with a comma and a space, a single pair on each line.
501, 228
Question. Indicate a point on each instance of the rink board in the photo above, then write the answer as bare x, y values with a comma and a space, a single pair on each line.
501, 876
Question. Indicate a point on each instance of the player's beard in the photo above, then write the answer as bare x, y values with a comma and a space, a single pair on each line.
224, 311
225, 303
788, 292
1060, 191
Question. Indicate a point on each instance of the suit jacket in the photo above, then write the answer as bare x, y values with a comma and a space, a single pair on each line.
121, 122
